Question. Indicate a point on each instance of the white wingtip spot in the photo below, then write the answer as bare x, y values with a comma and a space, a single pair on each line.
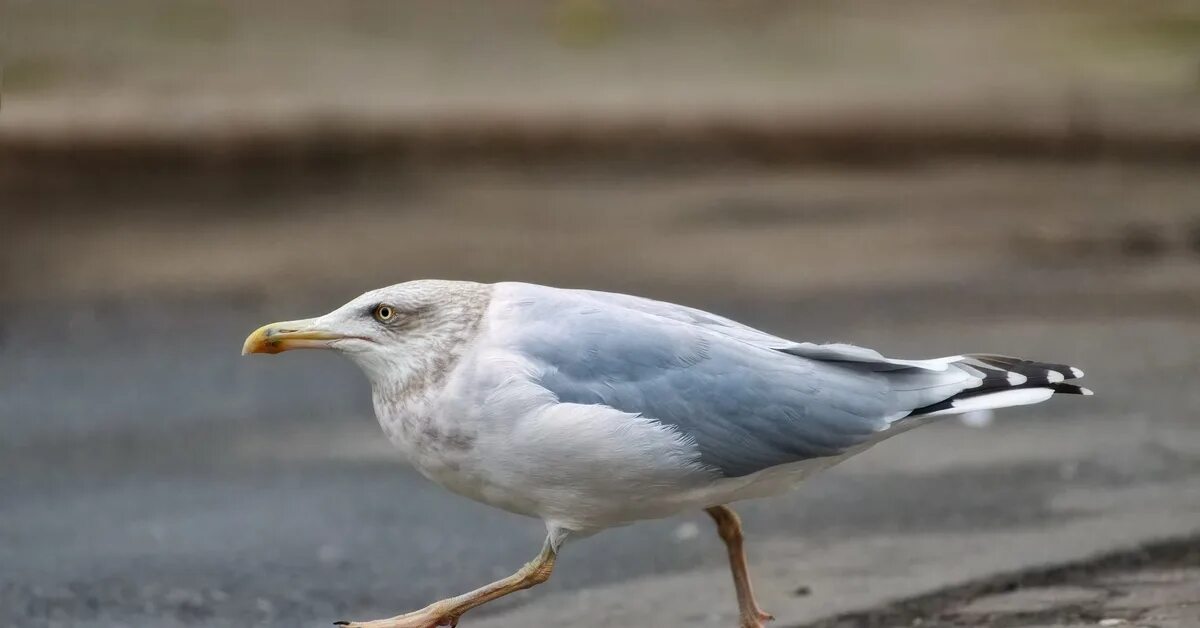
1076, 373
1054, 377
1016, 379
1086, 392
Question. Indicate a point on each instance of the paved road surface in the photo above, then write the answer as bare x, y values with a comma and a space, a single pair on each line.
1154, 586
149, 476
228, 491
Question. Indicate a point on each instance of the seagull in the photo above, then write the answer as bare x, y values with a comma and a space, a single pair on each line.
590, 410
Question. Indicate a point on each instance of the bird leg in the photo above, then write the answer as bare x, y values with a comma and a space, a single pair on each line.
447, 612
729, 527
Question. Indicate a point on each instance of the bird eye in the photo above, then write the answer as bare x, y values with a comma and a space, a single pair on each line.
384, 313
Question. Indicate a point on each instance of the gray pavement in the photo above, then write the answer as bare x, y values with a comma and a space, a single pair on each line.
150, 476
1154, 586
212, 490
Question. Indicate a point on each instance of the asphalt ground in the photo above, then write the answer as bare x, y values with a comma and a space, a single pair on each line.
150, 476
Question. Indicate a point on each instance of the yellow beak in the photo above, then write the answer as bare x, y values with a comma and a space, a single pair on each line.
279, 337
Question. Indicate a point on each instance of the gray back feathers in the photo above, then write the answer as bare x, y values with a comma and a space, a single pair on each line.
748, 400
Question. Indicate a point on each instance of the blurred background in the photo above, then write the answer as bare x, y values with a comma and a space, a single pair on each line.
926, 178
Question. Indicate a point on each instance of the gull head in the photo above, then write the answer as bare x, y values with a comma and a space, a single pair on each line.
388, 332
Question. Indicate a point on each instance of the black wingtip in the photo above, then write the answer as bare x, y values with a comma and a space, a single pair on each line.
1032, 374
341, 623
1070, 389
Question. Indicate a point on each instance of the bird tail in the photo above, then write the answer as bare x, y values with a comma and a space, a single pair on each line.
1006, 382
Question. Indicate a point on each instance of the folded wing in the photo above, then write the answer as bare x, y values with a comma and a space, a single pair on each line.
748, 400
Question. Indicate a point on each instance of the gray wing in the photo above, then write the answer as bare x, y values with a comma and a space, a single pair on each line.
831, 352
748, 406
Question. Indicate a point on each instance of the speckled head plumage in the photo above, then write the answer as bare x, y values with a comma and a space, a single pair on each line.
403, 336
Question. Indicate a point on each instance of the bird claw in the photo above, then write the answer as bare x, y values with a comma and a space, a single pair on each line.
418, 619
757, 619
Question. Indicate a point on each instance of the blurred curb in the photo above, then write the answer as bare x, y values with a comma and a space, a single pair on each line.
330, 143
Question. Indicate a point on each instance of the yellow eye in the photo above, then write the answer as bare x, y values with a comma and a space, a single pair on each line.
384, 313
